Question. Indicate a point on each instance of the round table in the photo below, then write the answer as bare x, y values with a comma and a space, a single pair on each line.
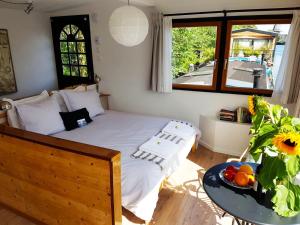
242, 204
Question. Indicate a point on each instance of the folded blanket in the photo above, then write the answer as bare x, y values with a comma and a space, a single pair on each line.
159, 149
182, 129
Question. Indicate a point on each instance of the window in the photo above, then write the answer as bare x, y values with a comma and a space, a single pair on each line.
71, 38
253, 54
236, 54
195, 55
73, 52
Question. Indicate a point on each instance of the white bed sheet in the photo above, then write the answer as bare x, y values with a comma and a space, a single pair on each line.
126, 132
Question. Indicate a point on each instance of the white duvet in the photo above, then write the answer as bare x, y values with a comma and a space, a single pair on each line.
126, 132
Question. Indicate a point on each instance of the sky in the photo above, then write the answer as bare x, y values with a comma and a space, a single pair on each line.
282, 28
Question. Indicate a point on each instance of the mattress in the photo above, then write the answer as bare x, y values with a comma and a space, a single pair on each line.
125, 132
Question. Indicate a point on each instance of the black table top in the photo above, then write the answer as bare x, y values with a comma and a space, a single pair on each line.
243, 204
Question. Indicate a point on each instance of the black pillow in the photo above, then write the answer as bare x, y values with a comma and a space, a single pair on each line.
75, 119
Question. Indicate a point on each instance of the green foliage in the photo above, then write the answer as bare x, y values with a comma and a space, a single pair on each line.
274, 169
239, 27
286, 200
249, 51
279, 166
186, 42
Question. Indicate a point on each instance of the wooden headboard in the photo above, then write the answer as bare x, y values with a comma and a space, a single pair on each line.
59, 182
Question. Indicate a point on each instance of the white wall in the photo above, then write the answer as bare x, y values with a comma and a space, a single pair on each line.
125, 75
32, 51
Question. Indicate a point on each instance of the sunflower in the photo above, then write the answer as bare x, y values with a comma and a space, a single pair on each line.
251, 105
288, 143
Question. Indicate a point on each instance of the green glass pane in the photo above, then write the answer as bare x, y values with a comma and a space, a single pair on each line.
64, 58
75, 71
79, 35
81, 47
66, 71
67, 29
64, 47
73, 59
72, 47
83, 71
82, 59
74, 29
63, 36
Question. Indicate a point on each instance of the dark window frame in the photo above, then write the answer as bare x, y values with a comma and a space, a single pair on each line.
83, 24
220, 86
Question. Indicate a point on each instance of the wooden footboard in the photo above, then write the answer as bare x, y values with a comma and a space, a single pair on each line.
59, 182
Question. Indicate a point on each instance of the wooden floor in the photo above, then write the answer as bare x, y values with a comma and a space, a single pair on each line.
182, 201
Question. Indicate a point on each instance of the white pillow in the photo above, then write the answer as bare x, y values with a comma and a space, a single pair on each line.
41, 117
12, 116
60, 100
83, 99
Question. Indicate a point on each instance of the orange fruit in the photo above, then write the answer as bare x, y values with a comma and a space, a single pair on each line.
251, 180
241, 179
246, 169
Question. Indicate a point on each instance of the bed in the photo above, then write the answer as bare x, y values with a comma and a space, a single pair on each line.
125, 133
107, 145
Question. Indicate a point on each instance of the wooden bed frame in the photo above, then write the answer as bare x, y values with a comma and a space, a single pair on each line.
59, 182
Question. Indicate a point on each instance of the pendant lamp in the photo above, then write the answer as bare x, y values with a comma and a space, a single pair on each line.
129, 25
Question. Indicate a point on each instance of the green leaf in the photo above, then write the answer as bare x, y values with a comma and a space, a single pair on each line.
276, 111
273, 169
287, 200
266, 128
256, 155
284, 200
262, 141
296, 191
292, 165
257, 121
295, 121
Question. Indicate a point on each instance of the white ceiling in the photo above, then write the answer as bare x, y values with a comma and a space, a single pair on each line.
48, 5
166, 6
175, 6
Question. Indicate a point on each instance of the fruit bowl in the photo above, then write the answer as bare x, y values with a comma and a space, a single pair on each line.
242, 177
232, 183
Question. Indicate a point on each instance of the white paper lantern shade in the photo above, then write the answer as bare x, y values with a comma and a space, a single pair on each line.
129, 26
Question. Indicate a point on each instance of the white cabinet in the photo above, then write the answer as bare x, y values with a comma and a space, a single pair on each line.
225, 137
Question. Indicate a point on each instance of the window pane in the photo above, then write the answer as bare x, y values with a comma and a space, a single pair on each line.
73, 59
63, 36
72, 47
255, 55
74, 29
79, 35
194, 53
75, 71
64, 47
67, 29
83, 71
66, 71
82, 59
81, 47
65, 58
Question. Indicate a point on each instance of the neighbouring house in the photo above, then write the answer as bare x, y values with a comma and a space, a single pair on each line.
252, 39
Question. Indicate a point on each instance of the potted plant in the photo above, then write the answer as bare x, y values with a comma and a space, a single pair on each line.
276, 142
